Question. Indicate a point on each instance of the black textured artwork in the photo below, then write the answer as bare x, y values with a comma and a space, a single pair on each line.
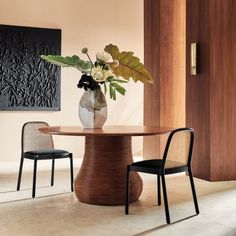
28, 83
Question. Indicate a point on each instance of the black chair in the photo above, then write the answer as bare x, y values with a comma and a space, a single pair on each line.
179, 145
38, 146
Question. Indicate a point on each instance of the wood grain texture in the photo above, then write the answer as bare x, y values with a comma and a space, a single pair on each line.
115, 130
223, 90
164, 56
151, 145
101, 179
211, 109
198, 86
172, 63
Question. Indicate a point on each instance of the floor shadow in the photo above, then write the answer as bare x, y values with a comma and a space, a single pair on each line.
24, 189
30, 198
163, 226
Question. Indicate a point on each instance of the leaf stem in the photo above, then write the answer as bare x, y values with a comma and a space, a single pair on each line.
90, 61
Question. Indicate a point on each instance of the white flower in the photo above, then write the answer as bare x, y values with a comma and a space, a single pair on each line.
101, 75
103, 56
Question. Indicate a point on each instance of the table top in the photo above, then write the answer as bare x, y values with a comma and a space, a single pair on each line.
115, 130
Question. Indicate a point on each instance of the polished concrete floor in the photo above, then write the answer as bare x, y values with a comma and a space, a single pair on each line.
56, 211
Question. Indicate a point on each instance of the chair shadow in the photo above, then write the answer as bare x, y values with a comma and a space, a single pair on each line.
163, 226
30, 198
24, 189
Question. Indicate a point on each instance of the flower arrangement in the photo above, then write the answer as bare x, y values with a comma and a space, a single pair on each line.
110, 69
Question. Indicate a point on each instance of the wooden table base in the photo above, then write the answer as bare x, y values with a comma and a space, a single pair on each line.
102, 176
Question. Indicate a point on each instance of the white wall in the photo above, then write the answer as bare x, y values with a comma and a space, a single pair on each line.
84, 23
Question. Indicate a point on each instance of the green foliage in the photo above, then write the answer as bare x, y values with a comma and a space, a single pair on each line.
114, 87
73, 61
129, 65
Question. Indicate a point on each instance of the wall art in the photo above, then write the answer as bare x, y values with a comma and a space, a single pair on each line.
28, 83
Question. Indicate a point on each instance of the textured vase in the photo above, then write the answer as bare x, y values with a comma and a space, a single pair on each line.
93, 109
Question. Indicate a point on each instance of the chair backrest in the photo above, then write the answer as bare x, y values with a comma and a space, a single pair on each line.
179, 146
33, 139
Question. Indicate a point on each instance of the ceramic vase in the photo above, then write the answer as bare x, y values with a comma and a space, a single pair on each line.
93, 109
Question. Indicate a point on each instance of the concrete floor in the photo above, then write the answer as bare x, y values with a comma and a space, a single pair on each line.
56, 211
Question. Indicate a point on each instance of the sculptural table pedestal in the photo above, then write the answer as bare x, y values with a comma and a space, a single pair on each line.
101, 179
102, 176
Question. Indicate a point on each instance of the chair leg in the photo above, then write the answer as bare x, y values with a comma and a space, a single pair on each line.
165, 199
193, 190
127, 191
34, 178
52, 172
158, 190
71, 172
20, 172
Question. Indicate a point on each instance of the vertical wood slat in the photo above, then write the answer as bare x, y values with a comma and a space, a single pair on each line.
164, 56
151, 145
211, 95
223, 89
198, 86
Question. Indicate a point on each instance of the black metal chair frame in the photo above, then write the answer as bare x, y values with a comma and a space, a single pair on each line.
46, 156
162, 171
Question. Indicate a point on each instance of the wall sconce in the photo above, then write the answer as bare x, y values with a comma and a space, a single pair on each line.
193, 59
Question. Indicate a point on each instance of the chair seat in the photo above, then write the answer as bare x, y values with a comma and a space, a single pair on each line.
57, 153
157, 164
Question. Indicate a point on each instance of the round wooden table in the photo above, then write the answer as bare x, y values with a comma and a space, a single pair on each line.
101, 178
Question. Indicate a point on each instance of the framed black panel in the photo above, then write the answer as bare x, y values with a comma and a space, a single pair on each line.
28, 83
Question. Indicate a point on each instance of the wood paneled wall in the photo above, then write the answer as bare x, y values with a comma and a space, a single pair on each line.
211, 95
198, 86
164, 56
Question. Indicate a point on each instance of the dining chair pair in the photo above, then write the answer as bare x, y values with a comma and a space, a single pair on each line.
39, 146
177, 158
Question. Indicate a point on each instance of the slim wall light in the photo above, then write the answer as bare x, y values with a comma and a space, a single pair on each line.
193, 59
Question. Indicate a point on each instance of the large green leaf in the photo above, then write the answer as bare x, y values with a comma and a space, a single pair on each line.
129, 65
73, 61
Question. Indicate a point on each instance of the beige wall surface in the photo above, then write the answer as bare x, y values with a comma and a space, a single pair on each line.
84, 23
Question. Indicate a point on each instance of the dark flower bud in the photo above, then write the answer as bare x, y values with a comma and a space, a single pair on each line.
87, 81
